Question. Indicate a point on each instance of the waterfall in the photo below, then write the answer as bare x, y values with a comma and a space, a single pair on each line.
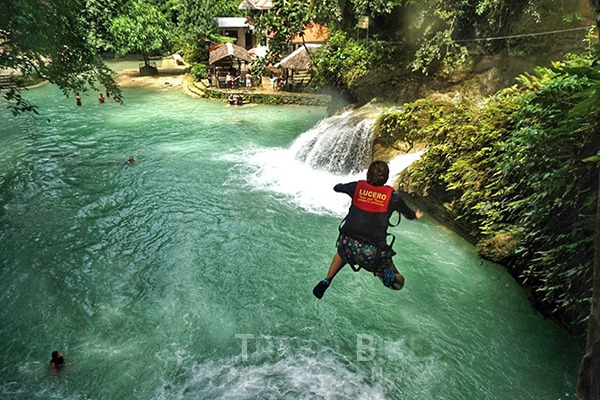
337, 150
340, 144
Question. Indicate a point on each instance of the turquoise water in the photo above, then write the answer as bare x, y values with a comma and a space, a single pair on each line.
188, 274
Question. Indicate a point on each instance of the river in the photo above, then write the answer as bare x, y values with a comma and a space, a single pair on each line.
188, 274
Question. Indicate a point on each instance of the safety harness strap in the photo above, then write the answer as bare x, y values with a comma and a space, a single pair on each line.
373, 199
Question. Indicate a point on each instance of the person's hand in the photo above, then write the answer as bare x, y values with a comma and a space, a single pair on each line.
418, 214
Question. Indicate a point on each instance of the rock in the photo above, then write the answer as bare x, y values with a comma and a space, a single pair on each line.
499, 248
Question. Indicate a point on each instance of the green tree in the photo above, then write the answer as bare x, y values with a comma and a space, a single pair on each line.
48, 39
434, 29
100, 14
341, 62
197, 26
143, 29
442, 26
343, 14
286, 20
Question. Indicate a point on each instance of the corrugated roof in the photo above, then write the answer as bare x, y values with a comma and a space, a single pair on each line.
232, 22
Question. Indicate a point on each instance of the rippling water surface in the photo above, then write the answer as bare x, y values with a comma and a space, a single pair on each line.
188, 274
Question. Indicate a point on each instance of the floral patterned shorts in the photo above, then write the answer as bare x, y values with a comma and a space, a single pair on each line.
365, 255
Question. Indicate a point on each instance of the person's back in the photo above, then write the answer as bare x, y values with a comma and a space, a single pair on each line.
371, 209
365, 221
362, 239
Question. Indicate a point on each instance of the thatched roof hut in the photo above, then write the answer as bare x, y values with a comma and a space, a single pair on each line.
226, 50
299, 59
295, 67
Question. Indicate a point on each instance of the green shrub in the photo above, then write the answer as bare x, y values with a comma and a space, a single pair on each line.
340, 62
514, 167
198, 71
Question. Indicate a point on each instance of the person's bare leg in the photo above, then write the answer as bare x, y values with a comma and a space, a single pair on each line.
336, 265
398, 282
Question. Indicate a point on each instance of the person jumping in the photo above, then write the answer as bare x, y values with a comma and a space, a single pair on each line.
363, 232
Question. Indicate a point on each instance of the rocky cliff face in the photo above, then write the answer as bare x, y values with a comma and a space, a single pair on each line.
557, 30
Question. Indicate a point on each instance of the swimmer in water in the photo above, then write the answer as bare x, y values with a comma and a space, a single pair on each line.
57, 362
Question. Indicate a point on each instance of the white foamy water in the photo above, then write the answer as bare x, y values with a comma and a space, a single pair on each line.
289, 370
277, 171
339, 144
337, 150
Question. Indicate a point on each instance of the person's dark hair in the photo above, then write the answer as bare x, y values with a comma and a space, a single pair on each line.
378, 173
57, 359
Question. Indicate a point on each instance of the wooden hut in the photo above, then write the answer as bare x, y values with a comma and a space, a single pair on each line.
226, 58
296, 66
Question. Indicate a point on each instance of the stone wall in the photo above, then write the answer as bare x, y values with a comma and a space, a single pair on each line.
258, 97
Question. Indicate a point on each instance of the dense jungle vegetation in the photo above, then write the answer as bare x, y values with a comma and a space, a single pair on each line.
515, 170
515, 165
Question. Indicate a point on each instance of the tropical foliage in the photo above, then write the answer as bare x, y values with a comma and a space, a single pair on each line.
49, 41
514, 167
60, 40
341, 62
143, 29
428, 33
198, 71
99, 17
344, 14
449, 29
196, 26
286, 20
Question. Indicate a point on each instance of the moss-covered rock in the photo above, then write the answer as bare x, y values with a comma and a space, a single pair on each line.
499, 248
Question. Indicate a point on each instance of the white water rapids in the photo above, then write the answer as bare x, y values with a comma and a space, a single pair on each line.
337, 150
